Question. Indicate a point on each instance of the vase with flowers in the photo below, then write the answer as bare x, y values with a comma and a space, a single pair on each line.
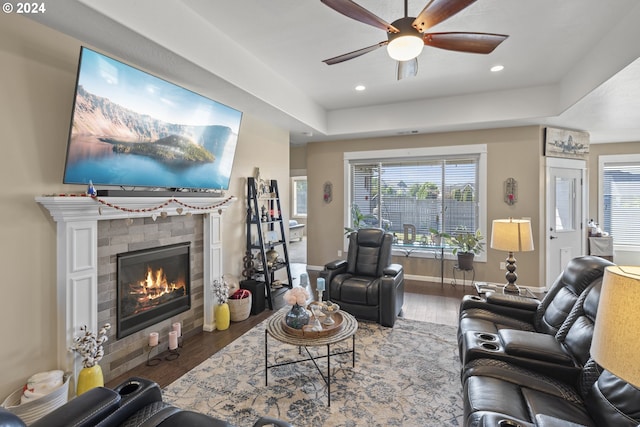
298, 316
89, 346
221, 313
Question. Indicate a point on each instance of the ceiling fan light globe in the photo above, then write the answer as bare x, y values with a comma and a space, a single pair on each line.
405, 48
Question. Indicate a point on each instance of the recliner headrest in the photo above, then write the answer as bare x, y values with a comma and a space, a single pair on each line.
582, 271
370, 237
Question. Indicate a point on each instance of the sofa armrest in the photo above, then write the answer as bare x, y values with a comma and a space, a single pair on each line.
392, 270
516, 307
337, 264
86, 410
135, 393
515, 301
533, 345
391, 294
330, 271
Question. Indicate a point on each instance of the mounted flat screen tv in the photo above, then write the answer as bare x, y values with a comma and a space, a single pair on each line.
132, 129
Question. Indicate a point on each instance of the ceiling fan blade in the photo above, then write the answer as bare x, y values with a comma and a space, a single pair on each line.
354, 54
359, 13
464, 42
407, 68
437, 11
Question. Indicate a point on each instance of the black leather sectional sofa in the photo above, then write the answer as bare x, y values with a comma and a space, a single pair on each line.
526, 362
136, 402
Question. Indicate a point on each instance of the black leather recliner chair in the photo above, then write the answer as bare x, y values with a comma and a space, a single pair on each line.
136, 402
499, 311
367, 284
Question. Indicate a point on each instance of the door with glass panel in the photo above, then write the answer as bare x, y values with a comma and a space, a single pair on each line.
565, 218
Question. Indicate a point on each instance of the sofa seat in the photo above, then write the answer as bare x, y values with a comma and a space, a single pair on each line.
518, 401
499, 390
356, 290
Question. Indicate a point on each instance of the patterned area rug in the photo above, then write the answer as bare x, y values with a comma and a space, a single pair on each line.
408, 375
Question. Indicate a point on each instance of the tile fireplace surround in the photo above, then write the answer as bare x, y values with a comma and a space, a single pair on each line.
77, 254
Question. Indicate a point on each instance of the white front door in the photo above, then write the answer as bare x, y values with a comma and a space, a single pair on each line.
566, 200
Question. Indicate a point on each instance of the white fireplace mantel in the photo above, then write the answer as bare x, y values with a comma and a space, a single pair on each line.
77, 259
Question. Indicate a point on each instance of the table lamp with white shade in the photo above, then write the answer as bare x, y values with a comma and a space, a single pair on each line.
616, 339
512, 235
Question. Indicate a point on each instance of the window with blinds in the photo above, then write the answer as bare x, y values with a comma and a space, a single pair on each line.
621, 201
433, 193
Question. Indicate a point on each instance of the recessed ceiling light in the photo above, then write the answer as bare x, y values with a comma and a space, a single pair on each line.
360, 88
497, 68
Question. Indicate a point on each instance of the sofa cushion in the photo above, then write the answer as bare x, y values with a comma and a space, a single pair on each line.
356, 290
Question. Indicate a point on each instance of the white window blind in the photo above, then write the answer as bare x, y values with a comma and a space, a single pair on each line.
431, 193
621, 202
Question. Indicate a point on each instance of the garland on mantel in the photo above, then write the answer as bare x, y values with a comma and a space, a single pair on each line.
163, 205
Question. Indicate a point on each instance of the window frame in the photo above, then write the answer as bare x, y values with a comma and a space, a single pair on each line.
294, 205
412, 153
609, 160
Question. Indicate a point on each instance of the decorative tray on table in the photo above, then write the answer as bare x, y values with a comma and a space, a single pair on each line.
322, 314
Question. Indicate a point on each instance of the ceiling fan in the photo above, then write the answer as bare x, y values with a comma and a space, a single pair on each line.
406, 36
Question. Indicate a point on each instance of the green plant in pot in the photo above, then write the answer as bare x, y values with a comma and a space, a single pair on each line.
466, 245
439, 237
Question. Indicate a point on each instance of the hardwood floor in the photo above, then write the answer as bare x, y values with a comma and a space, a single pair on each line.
430, 302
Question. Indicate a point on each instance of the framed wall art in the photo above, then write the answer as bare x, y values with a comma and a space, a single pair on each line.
565, 143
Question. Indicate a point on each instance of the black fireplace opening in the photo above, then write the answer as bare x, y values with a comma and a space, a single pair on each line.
153, 285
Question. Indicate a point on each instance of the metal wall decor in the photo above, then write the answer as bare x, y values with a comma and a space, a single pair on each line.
327, 190
510, 191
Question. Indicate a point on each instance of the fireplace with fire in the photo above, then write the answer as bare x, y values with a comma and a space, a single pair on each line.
153, 285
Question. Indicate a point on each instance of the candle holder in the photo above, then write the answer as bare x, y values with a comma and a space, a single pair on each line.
152, 361
320, 296
173, 354
174, 341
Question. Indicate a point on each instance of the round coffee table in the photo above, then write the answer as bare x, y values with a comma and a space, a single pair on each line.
276, 330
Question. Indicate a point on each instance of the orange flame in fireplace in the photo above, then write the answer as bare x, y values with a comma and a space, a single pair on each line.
150, 291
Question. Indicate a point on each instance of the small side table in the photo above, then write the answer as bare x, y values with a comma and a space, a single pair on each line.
464, 272
482, 288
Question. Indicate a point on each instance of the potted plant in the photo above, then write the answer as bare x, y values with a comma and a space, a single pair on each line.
439, 237
357, 218
466, 244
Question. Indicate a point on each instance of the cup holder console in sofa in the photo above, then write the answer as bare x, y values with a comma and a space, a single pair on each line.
136, 402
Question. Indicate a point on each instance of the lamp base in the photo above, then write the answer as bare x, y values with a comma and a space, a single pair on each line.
511, 288
511, 276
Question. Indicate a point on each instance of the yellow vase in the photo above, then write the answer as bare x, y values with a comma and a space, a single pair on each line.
222, 316
89, 378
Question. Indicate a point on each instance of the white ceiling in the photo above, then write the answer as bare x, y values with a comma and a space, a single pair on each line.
568, 63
